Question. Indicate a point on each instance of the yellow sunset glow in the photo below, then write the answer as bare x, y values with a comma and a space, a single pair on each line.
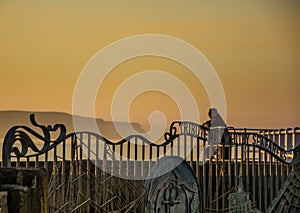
254, 47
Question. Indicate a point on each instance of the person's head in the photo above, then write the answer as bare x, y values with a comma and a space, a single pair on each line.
212, 112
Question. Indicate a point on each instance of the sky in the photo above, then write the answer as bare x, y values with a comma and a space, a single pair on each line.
253, 46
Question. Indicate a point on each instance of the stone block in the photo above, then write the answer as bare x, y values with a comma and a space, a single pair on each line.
26, 189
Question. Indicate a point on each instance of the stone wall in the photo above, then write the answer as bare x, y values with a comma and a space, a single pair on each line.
23, 190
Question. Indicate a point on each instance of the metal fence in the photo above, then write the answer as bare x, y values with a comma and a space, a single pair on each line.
88, 173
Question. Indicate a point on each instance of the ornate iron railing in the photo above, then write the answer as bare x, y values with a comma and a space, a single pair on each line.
84, 162
23, 135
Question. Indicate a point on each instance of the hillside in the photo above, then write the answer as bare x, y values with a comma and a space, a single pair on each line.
9, 119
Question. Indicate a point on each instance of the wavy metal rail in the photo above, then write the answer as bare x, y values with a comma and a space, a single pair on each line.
83, 162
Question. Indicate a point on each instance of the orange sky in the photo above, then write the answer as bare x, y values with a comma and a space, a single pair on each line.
253, 46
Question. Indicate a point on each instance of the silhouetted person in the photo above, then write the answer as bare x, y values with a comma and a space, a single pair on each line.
215, 119
216, 123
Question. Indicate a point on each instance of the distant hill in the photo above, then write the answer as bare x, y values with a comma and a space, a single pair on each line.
9, 119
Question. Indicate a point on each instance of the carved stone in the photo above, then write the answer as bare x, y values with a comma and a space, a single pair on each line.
175, 191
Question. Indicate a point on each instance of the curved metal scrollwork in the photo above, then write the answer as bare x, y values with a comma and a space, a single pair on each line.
270, 146
261, 142
22, 135
172, 134
185, 128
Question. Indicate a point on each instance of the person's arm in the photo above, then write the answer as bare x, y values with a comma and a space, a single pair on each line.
207, 124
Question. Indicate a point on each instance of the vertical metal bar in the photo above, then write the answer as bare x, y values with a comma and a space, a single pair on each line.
121, 159
72, 171
236, 165
18, 162
178, 147
120, 168
97, 174
157, 152
210, 191
259, 179
64, 187
113, 161
77, 147
191, 151
135, 156
97, 163
201, 173
253, 173
104, 172
54, 161
36, 165
184, 147
286, 139
204, 175
247, 165
282, 179
217, 177
114, 171
27, 162
197, 160
46, 161
150, 158
265, 182
223, 176
229, 164
143, 160
165, 150
55, 176
287, 171
271, 176
88, 175
128, 168
135, 163
81, 171
293, 140
276, 177
277, 165
242, 159
128, 158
